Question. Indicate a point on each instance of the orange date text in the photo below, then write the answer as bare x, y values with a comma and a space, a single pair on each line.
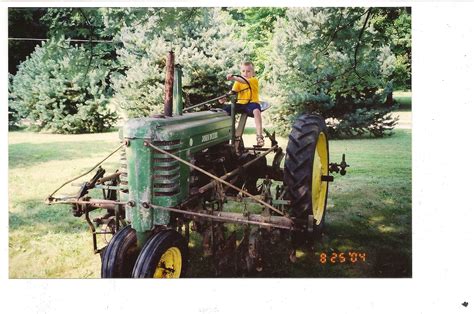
342, 257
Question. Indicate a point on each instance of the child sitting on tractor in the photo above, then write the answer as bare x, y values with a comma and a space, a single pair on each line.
246, 87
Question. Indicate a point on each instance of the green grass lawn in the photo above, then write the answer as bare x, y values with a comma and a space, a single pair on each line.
369, 210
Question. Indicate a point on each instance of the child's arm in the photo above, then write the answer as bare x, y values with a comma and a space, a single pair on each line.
224, 99
232, 77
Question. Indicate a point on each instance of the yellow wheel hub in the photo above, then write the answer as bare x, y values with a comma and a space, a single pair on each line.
170, 264
319, 187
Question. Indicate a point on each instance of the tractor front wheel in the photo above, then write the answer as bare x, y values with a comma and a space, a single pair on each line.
120, 255
164, 255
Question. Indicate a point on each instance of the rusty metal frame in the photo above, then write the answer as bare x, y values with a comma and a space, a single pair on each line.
98, 203
252, 219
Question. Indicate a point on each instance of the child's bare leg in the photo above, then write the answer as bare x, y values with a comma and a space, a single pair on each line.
258, 124
258, 121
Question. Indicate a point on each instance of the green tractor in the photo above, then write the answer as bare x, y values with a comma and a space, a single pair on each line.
180, 170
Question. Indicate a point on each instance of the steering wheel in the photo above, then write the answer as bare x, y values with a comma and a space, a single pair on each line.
223, 96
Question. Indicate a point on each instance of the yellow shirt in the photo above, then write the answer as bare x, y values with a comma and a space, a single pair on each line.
243, 93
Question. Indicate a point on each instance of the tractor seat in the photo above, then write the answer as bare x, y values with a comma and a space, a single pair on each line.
264, 105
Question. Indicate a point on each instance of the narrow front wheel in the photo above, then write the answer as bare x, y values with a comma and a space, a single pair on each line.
120, 255
164, 255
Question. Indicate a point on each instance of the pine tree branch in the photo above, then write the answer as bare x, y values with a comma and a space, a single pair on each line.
91, 31
340, 28
358, 43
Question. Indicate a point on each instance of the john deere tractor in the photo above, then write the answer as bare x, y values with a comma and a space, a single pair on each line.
188, 170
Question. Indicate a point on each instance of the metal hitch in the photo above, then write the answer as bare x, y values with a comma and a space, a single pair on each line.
339, 168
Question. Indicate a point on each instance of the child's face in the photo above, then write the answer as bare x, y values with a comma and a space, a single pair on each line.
247, 71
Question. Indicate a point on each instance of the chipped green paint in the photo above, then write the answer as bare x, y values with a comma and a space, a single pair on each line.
155, 178
139, 185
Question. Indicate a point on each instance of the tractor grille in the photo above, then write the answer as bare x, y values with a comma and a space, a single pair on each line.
123, 178
166, 170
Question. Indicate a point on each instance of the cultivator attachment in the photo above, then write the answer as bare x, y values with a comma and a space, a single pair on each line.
83, 204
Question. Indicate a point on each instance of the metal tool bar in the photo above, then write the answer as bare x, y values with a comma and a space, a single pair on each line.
97, 202
282, 223
104, 187
146, 143
104, 232
109, 178
258, 149
110, 187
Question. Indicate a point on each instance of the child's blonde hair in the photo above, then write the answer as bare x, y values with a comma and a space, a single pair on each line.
247, 63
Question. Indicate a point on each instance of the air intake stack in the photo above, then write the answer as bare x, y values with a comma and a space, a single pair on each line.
169, 78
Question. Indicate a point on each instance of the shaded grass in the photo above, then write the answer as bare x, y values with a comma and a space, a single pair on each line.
403, 98
369, 211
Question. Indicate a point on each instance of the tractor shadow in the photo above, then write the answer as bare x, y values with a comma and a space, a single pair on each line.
375, 242
356, 250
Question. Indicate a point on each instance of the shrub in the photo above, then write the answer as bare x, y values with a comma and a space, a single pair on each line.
62, 90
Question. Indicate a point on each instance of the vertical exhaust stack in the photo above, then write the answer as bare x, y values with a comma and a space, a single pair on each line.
168, 108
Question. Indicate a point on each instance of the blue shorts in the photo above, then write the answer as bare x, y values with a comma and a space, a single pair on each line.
248, 108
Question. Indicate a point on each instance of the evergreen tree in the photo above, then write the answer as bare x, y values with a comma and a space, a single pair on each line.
57, 90
331, 61
205, 42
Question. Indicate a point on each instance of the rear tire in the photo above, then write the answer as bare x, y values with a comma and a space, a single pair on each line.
120, 255
307, 160
165, 255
